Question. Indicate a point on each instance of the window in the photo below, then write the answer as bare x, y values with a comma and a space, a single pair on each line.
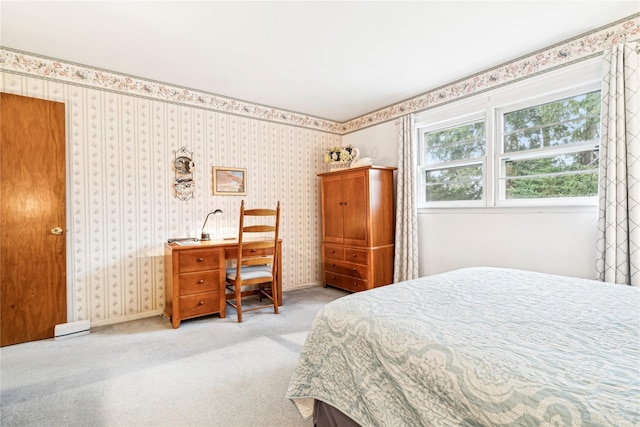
533, 143
454, 158
551, 150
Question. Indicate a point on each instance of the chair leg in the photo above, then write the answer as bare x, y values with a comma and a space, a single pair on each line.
238, 290
274, 296
269, 292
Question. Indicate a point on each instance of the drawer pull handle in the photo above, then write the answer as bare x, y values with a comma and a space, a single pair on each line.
355, 269
355, 255
253, 250
200, 259
333, 278
201, 303
333, 252
201, 281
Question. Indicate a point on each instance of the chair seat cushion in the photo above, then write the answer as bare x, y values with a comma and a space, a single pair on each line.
250, 272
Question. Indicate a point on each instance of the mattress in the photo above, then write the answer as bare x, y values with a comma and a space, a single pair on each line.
477, 346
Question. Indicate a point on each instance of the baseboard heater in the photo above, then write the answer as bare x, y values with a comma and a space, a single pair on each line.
71, 329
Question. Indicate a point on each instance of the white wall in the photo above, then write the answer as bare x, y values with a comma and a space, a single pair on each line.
379, 142
559, 241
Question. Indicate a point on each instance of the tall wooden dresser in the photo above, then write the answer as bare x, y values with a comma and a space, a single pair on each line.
358, 227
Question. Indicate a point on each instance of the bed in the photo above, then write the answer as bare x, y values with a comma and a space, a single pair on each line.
475, 347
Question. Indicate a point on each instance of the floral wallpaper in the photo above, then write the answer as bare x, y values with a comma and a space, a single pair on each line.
121, 204
122, 132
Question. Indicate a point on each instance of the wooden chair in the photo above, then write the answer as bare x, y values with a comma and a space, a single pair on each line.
256, 265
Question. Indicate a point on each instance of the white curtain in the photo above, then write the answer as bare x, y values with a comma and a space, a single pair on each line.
618, 251
405, 266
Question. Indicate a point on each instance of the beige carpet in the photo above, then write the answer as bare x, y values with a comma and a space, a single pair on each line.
209, 372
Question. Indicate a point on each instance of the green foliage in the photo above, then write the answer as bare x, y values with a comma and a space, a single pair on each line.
554, 186
461, 142
461, 183
457, 183
567, 121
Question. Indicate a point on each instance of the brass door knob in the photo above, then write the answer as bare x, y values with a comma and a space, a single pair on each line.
57, 231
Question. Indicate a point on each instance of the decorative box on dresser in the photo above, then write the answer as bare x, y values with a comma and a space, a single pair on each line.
358, 227
194, 282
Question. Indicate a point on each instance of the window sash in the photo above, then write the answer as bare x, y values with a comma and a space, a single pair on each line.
461, 178
427, 165
504, 196
569, 117
471, 147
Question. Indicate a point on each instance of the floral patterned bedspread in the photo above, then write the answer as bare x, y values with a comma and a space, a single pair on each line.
478, 347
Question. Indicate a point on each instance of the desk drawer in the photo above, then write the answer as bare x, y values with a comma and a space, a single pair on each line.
199, 304
199, 281
347, 269
198, 260
232, 253
344, 282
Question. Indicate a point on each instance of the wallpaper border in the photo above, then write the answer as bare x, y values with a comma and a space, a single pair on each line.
579, 48
53, 69
576, 49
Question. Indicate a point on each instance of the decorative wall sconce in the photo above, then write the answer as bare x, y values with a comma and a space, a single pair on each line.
184, 166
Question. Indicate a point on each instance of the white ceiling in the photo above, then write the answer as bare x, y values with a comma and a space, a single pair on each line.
330, 59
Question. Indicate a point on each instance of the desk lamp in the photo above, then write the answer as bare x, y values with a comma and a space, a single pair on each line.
206, 236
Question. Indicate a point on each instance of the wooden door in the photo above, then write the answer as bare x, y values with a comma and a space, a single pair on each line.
332, 208
355, 193
33, 294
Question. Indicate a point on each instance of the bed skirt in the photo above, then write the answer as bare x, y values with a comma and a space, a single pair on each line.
325, 415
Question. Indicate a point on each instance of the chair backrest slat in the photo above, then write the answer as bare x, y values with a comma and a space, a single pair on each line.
260, 212
259, 228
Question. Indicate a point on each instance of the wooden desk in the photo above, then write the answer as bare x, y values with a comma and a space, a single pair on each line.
195, 278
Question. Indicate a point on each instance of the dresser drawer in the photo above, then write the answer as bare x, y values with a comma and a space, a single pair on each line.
333, 252
358, 256
199, 304
347, 269
198, 260
344, 282
199, 281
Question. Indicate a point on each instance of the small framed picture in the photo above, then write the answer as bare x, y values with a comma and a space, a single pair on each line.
229, 181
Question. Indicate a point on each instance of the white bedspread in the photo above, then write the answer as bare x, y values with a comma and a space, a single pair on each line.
478, 347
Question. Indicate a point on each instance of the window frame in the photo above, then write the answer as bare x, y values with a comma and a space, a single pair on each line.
568, 81
423, 167
501, 156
